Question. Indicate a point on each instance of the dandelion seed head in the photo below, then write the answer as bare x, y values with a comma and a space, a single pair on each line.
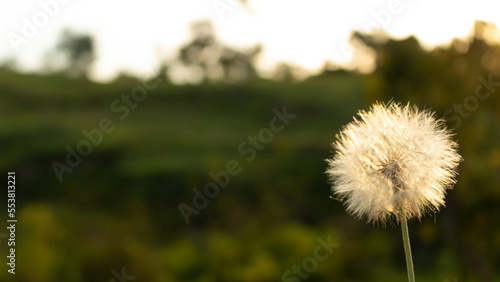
394, 162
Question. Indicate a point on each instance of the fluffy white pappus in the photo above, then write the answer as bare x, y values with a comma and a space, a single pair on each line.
395, 162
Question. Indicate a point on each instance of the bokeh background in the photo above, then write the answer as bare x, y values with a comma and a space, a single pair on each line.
203, 90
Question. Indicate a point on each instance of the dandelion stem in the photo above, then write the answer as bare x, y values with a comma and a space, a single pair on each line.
406, 242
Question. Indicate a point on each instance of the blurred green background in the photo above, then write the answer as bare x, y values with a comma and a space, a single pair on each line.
119, 209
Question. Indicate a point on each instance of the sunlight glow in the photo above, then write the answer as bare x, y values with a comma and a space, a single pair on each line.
134, 36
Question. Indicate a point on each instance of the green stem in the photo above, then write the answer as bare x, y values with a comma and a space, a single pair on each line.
409, 261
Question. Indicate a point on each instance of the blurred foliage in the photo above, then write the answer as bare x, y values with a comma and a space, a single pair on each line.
119, 207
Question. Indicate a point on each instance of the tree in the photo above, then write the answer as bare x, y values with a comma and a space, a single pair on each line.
74, 54
206, 55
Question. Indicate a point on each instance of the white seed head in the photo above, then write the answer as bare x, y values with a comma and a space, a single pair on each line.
395, 160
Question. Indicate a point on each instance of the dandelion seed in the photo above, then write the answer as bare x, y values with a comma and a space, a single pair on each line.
395, 162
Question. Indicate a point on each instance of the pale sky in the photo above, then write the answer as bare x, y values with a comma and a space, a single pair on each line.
133, 35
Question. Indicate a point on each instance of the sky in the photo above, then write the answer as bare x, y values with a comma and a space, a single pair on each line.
132, 36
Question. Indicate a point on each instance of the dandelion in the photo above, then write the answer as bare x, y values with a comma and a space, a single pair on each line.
394, 163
